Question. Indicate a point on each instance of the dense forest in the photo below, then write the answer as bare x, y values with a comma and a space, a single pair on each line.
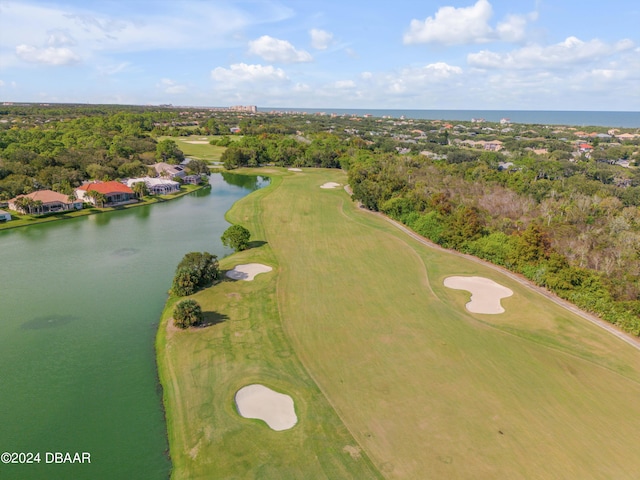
558, 204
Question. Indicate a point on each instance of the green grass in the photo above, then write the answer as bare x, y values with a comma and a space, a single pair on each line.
357, 310
23, 220
206, 152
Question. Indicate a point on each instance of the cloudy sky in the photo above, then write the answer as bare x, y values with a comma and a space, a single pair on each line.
418, 54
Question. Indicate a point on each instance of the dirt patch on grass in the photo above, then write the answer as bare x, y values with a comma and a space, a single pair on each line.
354, 451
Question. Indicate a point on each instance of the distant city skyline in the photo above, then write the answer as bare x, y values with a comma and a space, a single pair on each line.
445, 54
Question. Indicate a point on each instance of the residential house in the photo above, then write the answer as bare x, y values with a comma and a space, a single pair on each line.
46, 201
585, 148
627, 136
4, 216
192, 179
116, 193
156, 186
169, 171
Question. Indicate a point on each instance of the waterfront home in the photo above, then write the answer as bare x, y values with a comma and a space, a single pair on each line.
4, 216
44, 201
156, 186
169, 171
192, 179
115, 193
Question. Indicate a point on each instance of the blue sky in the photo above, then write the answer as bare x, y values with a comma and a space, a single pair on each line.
442, 54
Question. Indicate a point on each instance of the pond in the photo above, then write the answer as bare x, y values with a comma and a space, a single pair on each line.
80, 302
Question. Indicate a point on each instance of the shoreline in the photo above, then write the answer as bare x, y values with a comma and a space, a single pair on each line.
69, 214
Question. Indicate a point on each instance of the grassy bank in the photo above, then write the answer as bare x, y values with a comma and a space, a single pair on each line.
356, 309
201, 370
22, 220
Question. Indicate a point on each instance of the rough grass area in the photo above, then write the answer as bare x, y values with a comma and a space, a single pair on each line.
426, 388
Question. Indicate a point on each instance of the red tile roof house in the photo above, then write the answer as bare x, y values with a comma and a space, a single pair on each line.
51, 202
117, 193
585, 147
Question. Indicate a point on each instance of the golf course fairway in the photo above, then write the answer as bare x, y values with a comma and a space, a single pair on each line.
391, 376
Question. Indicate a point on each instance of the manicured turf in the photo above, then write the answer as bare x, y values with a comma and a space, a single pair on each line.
202, 369
207, 152
427, 389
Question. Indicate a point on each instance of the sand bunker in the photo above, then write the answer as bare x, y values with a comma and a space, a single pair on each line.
248, 271
485, 294
330, 185
196, 142
275, 409
294, 169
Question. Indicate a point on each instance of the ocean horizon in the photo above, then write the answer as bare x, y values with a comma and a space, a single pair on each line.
576, 118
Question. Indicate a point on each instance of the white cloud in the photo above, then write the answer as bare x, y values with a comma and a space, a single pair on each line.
171, 87
276, 50
112, 69
453, 26
320, 39
60, 38
189, 24
301, 88
351, 53
429, 73
342, 84
468, 25
55, 56
243, 73
416, 80
1, 83
513, 28
565, 54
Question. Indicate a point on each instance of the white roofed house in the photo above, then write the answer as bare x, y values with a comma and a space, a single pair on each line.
4, 216
156, 186
169, 171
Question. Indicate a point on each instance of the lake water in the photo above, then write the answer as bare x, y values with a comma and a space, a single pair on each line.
80, 302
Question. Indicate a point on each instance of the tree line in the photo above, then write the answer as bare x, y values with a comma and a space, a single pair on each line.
579, 240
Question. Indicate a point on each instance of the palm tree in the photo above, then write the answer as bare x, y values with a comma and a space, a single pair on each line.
140, 189
24, 204
91, 194
37, 204
99, 199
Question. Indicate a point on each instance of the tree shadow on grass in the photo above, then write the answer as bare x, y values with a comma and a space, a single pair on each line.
256, 244
234, 277
210, 319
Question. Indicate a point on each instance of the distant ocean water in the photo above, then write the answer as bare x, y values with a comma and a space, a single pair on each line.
540, 117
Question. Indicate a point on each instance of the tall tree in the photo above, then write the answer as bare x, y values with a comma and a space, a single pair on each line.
167, 151
236, 237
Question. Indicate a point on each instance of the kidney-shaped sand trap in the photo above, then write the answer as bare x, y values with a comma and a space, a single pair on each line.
294, 169
330, 185
275, 409
485, 294
248, 271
